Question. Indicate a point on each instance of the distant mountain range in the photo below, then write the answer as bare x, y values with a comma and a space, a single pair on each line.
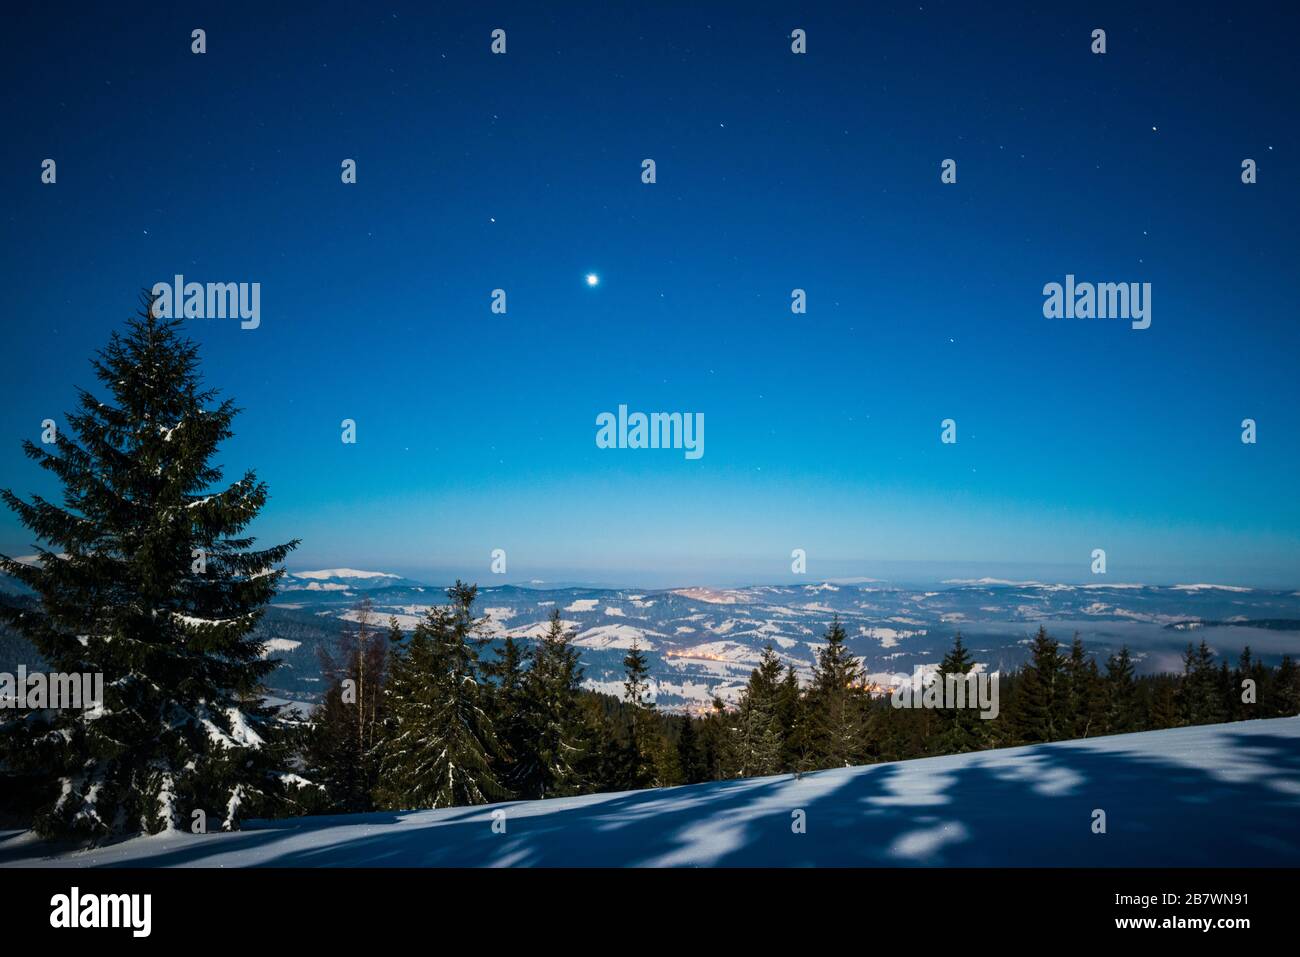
703, 641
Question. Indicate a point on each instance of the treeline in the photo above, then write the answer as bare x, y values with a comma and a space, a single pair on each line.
425, 721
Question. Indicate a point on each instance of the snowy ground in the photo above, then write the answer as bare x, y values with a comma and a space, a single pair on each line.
1224, 795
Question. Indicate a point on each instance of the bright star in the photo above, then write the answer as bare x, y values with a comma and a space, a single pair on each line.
592, 279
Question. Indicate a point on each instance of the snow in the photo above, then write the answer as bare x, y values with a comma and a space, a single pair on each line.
888, 637
1000, 582
36, 560
193, 622
583, 604
342, 573
379, 622
273, 645
1216, 796
167, 810
241, 733
540, 629
615, 636
712, 596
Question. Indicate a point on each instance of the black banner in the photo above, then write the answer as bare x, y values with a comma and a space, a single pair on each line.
336, 906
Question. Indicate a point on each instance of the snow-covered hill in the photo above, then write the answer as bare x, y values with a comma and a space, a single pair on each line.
1221, 795
704, 642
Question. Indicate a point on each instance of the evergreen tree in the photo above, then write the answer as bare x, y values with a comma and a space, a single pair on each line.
757, 739
792, 717
636, 683
1286, 689
1200, 694
595, 764
1085, 693
714, 734
1122, 713
551, 692
1229, 701
443, 751
623, 766
765, 680
838, 703
959, 727
1164, 710
643, 741
667, 766
512, 720
145, 576
1041, 704
689, 754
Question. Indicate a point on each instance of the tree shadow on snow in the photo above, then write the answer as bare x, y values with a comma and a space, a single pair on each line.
992, 808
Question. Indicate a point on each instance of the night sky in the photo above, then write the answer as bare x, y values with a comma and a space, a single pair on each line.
775, 171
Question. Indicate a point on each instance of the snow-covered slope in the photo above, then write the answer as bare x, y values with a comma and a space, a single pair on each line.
1221, 795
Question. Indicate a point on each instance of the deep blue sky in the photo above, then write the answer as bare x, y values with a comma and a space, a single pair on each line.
775, 171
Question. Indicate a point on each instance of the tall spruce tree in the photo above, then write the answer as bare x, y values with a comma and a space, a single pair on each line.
1200, 694
551, 693
643, 734
838, 703
1041, 705
442, 750
145, 575
509, 708
1122, 711
690, 756
714, 731
1085, 693
758, 739
792, 717
959, 729
1163, 710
